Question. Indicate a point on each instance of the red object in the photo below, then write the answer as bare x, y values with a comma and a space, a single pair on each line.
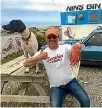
75, 53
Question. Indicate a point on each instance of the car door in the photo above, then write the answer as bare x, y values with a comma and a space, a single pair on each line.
92, 48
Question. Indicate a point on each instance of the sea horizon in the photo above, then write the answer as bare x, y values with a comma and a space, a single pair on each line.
31, 24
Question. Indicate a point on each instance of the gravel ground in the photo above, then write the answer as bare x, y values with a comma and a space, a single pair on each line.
89, 77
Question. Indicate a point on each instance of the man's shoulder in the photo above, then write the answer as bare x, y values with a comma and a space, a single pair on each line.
46, 49
65, 45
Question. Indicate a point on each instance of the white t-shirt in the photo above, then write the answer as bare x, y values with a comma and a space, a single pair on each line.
58, 65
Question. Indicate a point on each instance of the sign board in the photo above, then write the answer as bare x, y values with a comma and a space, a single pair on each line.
84, 7
79, 24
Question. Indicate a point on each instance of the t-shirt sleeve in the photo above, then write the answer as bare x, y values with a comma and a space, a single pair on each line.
68, 48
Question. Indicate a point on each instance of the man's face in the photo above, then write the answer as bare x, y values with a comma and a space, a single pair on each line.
52, 41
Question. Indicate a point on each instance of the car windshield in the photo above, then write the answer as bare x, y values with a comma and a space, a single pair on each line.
95, 39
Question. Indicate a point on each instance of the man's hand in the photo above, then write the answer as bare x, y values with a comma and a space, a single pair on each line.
33, 60
43, 55
75, 53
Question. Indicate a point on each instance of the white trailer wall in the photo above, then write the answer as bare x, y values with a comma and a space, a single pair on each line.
10, 43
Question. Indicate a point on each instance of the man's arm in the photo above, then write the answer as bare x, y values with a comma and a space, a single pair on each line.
33, 60
30, 61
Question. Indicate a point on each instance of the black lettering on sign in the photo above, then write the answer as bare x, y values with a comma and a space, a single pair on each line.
75, 7
93, 6
69, 8
81, 7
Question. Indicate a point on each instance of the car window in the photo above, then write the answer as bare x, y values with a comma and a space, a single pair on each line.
94, 40
99, 39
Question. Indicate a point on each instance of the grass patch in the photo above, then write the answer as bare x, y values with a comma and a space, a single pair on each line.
12, 56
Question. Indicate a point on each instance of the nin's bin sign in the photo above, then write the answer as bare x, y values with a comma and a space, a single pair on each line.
77, 21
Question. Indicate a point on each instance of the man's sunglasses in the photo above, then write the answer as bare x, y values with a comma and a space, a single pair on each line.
51, 36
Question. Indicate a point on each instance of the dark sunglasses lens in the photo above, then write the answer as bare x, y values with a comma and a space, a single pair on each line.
54, 37
49, 37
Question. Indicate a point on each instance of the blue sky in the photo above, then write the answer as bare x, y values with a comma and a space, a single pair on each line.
35, 13
31, 17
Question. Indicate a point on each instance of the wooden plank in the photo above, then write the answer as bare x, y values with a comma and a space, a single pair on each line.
23, 88
18, 71
10, 63
21, 78
7, 71
39, 89
22, 73
40, 74
18, 98
75, 69
31, 73
2, 85
34, 99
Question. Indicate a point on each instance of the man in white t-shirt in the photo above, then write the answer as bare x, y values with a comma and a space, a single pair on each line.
56, 59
